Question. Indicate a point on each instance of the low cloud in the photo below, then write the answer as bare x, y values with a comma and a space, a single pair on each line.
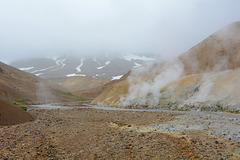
146, 83
168, 28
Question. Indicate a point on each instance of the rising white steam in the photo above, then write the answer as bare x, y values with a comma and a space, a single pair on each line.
207, 84
146, 83
44, 94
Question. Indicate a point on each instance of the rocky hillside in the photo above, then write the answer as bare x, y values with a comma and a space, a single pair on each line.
10, 114
110, 67
205, 77
27, 88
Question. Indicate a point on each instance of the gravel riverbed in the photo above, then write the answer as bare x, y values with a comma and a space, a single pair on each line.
91, 133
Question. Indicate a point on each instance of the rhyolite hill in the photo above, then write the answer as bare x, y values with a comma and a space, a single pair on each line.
204, 78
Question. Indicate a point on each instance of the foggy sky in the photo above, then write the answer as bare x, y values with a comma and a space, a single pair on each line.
35, 28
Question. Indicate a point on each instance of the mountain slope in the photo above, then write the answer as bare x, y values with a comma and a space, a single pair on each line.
146, 86
212, 92
110, 67
16, 84
10, 114
218, 52
81, 83
95, 92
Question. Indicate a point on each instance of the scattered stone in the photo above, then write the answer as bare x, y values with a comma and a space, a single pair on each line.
86, 134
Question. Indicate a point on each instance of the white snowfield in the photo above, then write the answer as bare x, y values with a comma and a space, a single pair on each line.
74, 74
26, 69
106, 63
95, 60
116, 77
131, 57
40, 70
78, 68
56, 60
63, 64
59, 61
136, 65
100, 67
68, 66
38, 74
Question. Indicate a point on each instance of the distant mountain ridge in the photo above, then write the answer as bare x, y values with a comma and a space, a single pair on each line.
110, 67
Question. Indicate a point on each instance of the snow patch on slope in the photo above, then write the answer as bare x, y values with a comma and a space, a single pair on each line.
74, 74
59, 61
56, 59
38, 74
100, 67
95, 60
62, 62
26, 69
40, 70
106, 63
131, 57
116, 77
137, 65
78, 68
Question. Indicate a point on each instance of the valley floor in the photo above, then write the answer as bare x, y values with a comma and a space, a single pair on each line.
89, 133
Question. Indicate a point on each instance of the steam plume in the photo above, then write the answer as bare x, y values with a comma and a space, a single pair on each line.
145, 90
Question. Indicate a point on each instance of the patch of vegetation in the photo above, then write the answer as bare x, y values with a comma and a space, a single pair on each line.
186, 147
23, 107
72, 96
36, 103
121, 124
196, 157
19, 100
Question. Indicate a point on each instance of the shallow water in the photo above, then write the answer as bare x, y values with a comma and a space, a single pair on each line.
55, 106
49, 106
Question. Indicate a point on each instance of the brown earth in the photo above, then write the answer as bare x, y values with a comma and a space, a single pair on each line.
87, 87
81, 83
90, 93
112, 93
15, 84
95, 92
218, 52
225, 88
11, 114
101, 134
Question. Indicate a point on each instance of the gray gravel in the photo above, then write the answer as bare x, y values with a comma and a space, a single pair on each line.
222, 125
225, 125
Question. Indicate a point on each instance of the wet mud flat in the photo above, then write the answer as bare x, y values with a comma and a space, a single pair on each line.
90, 133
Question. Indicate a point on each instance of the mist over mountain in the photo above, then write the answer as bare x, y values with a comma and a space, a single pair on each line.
42, 28
205, 77
102, 66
